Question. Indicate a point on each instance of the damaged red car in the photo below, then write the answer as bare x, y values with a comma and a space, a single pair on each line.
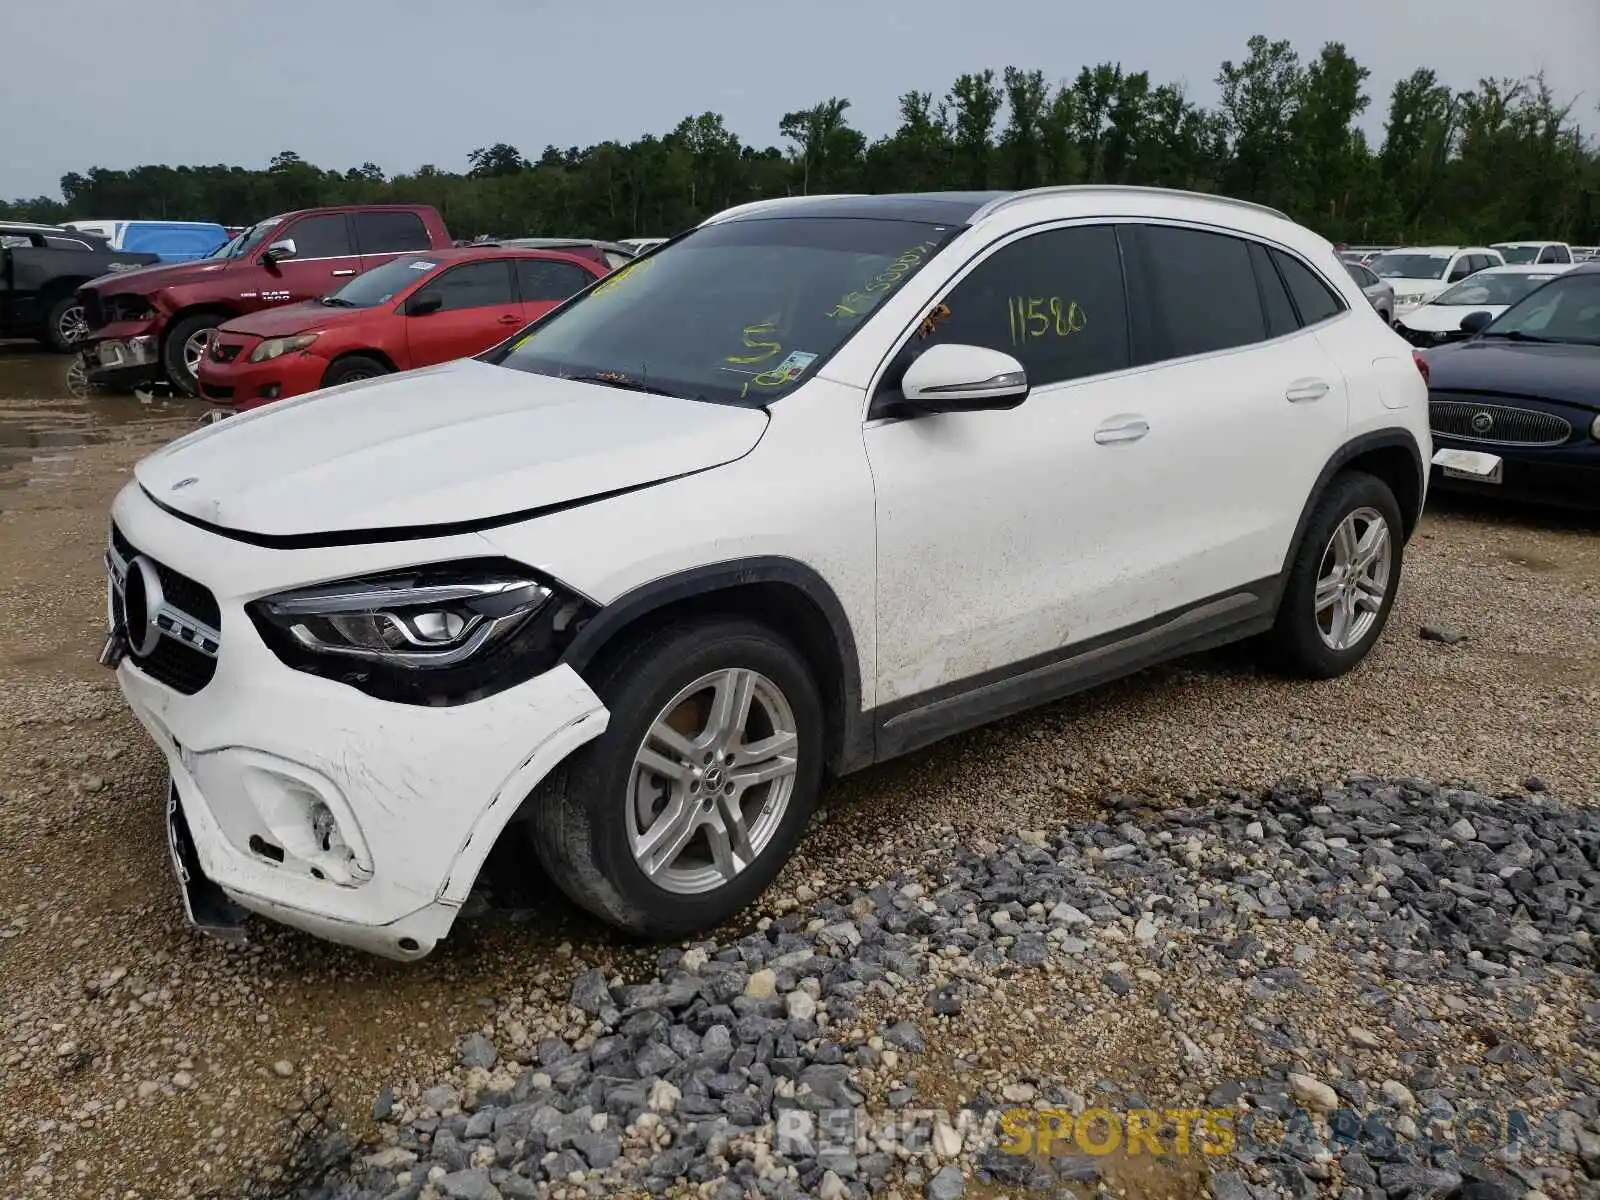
414, 311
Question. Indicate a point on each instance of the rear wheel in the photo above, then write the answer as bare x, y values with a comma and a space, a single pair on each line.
65, 325
686, 808
184, 347
1343, 580
348, 370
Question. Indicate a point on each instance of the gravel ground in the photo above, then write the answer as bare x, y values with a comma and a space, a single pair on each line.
140, 1061
1345, 971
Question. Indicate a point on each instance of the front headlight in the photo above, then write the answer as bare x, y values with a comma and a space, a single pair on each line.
440, 634
277, 347
1594, 429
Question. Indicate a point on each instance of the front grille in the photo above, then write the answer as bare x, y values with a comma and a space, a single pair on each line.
174, 661
224, 352
1496, 424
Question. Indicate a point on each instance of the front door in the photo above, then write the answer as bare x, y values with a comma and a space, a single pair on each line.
478, 307
324, 260
998, 531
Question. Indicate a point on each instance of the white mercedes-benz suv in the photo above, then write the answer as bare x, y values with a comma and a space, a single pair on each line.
813, 485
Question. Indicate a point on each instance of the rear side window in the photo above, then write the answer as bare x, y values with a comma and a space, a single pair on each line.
1279, 309
325, 236
1202, 291
474, 285
390, 232
1054, 301
543, 279
1315, 300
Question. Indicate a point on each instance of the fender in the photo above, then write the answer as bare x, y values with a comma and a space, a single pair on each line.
851, 744
1378, 439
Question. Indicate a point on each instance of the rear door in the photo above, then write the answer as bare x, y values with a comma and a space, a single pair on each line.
1243, 404
324, 257
546, 282
381, 236
478, 307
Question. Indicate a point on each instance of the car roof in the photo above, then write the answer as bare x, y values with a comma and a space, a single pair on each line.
1523, 269
965, 208
1583, 268
1497, 245
492, 250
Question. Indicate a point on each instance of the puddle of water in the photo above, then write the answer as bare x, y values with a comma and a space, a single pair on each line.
42, 422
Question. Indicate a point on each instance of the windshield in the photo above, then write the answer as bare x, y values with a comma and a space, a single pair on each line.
229, 247
1519, 254
1411, 266
737, 313
246, 242
1565, 310
1493, 289
382, 284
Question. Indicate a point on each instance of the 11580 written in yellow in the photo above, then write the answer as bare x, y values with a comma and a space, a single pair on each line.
1043, 316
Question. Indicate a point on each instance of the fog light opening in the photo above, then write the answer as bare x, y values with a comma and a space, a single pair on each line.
265, 849
409, 945
335, 860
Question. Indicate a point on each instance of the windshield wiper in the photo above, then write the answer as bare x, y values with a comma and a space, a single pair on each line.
611, 379
1516, 335
338, 302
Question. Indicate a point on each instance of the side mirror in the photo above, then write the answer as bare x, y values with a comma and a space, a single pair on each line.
953, 378
278, 251
424, 303
1474, 322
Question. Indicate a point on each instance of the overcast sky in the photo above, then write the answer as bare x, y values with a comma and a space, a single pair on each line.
403, 82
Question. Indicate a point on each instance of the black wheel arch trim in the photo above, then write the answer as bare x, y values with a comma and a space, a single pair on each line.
1378, 439
853, 746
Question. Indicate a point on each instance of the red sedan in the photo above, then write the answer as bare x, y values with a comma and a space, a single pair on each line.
414, 311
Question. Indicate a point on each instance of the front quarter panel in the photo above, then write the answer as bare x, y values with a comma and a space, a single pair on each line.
803, 493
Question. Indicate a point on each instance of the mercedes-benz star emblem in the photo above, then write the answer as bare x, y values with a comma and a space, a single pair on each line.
183, 483
1482, 423
141, 601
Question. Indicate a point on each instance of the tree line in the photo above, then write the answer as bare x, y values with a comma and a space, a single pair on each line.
1507, 159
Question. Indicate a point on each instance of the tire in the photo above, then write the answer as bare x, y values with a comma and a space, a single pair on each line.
64, 325
348, 370
1305, 642
586, 814
179, 333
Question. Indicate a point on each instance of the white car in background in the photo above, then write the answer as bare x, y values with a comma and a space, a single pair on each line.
1419, 273
825, 480
1535, 253
640, 245
1492, 291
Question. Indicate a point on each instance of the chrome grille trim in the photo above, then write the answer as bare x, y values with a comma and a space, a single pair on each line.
1463, 420
171, 620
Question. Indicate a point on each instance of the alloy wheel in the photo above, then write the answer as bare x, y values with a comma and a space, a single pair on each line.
1353, 579
72, 325
194, 349
711, 781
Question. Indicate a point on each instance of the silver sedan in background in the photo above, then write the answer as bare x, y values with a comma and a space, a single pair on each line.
1378, 291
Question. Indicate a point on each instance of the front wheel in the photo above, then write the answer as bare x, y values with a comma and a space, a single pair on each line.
686, 808
1343, 580
352, 368
183, 349
65, 325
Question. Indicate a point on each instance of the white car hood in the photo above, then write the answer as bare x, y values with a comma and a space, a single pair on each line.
1445, 318
451, 445
1416, 287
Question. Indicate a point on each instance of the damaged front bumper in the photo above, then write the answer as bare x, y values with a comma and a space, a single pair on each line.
358, 820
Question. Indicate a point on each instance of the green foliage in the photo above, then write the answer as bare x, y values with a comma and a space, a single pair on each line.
1504, 160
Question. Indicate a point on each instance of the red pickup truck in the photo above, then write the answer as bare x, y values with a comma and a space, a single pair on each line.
151, 324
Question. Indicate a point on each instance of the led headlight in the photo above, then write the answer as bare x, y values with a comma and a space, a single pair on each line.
438, 634
1594, 429
278, 347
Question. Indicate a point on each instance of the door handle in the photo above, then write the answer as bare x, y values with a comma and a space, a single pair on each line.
508, 319
1129, 429
347, 271
1306, 389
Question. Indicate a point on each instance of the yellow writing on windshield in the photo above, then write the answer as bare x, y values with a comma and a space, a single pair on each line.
632, 270
753, 335
864, 298
1043, 316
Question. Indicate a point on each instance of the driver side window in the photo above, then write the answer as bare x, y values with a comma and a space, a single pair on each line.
1054, 301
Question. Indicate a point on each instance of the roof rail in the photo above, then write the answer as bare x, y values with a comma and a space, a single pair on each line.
1072, 189
754, 206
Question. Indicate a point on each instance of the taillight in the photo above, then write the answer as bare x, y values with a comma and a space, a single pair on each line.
1422, 364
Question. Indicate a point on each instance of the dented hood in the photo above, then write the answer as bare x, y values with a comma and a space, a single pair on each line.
459, 444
